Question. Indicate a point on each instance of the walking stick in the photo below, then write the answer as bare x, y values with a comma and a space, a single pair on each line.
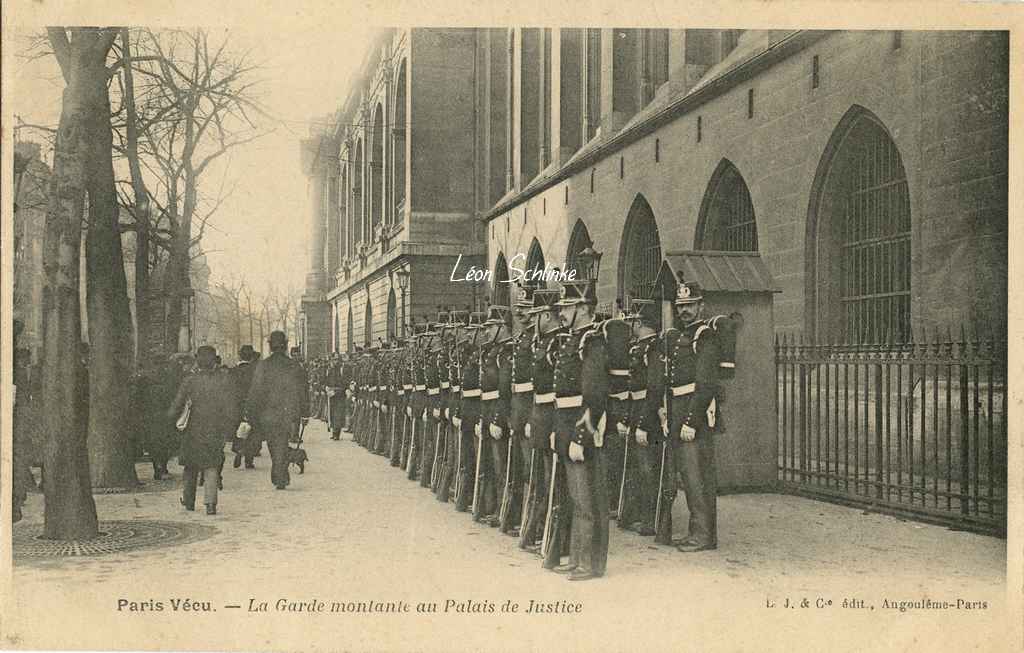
545, 543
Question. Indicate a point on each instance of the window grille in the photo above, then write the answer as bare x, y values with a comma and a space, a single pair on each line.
875, 252
643, 253
730, 224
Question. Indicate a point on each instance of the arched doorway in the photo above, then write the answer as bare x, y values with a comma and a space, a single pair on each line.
377, 170
579, 240
859, 236
398, 148
392, 316
500, 291
639, 253
726, 221
535, 259
368, 323
349, 340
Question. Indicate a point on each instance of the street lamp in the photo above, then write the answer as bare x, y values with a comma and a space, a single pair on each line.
589, 263
402, 275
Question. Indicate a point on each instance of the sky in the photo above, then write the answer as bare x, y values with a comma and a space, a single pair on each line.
260, 232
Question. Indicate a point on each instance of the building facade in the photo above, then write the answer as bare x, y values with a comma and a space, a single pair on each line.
868, 169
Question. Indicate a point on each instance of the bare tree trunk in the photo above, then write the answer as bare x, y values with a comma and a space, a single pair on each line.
111, 452
69, 512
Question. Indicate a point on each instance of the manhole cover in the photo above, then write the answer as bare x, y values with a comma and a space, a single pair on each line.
116, 536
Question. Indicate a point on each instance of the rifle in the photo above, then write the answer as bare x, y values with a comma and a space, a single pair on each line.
477, 481
509, 489
620, 510
411, 467
551, 517
435, 469
666, 404
529, 499
459, 487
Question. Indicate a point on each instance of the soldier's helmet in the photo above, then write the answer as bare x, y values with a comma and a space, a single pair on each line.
524, 295
644, 311
497, 315
689, 292
577, 292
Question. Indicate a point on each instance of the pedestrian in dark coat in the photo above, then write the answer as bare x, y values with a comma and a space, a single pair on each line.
157, 388
213, 418
278, 401
241, 376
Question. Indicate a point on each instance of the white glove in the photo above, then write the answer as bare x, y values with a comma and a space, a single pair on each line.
687, 433
330, 392
348, 393
496, 431
575, 452
436, 413
447, 413
622, 429
423, 416
551, 440
476, 430
383, 408
641, 437
408, 411
526, 430
456, 422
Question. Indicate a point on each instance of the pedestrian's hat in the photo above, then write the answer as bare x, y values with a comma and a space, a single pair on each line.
577, 292
689, 292
543, 300
497, 315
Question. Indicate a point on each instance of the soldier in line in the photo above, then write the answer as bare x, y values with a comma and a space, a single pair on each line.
469, 411
518, 361
646, 390
489, 457
337, 382
453, 368
581, 396
696, 355
540, 422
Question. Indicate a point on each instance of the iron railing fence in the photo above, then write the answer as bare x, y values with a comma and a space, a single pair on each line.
917, 427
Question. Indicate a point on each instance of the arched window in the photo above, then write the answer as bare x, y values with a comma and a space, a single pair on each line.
639, 253
377, 170
368, 323
859, 241
343, 218
336, 345
578, 241
500, 292
349, 340
535, 257
357, 196
398, 145
726, 221
392, 316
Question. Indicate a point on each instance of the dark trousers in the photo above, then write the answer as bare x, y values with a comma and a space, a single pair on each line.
395, 433
451, 462
629, 502
695, 462
190, 478
588, 487
277, 442
337, 411
537, 497
467, 472
561, 511
648, 459
614, 450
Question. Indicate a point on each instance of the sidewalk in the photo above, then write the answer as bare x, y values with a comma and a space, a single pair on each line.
352, 529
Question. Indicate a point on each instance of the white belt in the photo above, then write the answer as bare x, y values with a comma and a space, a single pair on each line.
575, 401
620, 395
686, 389
433, 391
407, 386
618, 372
525, 386
490, 394
372, 388
638, 394
727, 364
401, 392
456, 388
421, 387
445, 384
475, 392
544, 398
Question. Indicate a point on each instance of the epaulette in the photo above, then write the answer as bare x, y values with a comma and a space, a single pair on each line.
587, 336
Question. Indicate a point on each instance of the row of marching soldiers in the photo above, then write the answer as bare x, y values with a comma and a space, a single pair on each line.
545, 419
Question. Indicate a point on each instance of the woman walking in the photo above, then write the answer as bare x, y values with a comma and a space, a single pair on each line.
213, 416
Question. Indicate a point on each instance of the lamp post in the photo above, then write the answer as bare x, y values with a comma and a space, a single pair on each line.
403, 282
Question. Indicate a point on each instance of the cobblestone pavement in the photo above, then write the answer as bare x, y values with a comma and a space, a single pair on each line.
352, 529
